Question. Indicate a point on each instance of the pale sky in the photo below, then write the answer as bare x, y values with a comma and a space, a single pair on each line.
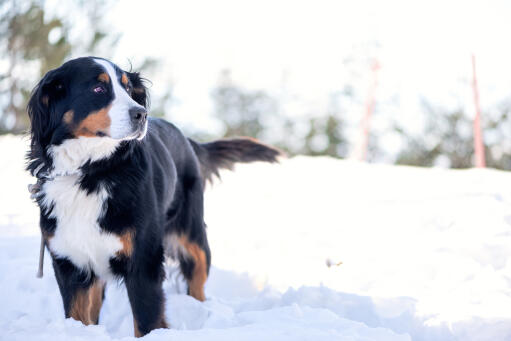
297, 48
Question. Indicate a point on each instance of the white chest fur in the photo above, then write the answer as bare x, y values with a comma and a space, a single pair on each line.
78, 235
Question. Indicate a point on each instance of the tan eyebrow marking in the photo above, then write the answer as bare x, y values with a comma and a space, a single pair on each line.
124, 79
104, 77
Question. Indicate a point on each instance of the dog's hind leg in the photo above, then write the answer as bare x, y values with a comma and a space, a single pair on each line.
194, 260
189, 238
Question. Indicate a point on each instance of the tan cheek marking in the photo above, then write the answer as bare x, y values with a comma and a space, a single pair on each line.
138, 90
104, 77
124, 79
87, 303
45, 100
127, 243
68, 117
97, 121
200, 269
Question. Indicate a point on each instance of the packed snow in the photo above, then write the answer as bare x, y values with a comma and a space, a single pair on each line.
308, 249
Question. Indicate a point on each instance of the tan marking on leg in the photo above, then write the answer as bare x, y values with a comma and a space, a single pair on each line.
137, 331
127, 243
160, 324
104, 77
95, 122
124, 79
87, 303
68, 117
200, 268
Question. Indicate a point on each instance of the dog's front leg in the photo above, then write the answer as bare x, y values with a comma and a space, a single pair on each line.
82, 293
144, 285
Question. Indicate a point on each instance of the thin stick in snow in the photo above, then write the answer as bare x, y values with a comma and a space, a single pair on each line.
41, 259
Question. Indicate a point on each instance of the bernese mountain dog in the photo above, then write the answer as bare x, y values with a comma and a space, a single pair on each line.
119, 191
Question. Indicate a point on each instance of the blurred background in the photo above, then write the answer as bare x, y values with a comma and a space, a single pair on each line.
387, 82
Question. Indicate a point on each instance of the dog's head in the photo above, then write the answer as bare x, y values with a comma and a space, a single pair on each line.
89, 97
89, 100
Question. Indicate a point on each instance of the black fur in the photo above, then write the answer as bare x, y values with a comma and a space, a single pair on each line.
155, 185
225, 153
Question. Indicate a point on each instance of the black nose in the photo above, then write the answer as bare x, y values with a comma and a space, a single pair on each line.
138, 114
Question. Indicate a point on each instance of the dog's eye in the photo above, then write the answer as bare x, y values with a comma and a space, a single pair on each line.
100, 89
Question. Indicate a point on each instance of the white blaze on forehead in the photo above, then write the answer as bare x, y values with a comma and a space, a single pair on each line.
120, 126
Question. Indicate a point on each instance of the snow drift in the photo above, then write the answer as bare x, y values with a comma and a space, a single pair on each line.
311, 249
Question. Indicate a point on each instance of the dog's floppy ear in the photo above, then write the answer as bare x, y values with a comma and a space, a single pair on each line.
139, 92
41, 105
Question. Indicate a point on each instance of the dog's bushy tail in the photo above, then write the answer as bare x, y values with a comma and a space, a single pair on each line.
224, 153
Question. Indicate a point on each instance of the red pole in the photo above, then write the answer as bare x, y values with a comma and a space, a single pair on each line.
366, 121
480, 159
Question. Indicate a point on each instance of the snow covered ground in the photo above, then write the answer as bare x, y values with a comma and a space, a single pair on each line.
415, 254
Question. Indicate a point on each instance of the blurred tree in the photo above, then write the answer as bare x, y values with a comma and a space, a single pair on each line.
255, 112
162, 103
326, 135
446, 136
448, 139
35, 42
241, 111
497, 136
